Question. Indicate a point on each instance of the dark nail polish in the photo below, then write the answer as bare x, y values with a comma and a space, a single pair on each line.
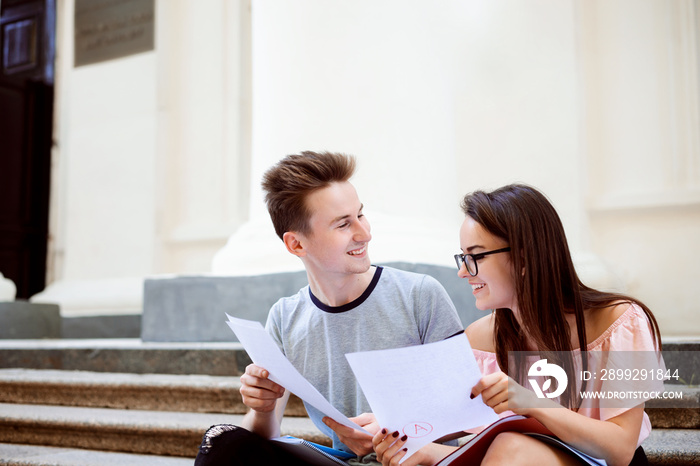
471, 395
384, 431
395, 434
404, 438
404, 449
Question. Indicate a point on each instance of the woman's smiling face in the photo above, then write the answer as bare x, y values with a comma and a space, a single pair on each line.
493, 286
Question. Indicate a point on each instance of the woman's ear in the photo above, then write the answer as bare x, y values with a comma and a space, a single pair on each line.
292, 241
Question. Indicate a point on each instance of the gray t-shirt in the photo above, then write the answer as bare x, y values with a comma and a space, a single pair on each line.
397, 309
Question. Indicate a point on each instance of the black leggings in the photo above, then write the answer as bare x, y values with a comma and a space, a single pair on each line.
229, 445
640, 458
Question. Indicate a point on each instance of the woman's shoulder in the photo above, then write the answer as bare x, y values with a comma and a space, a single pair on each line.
601, 319
480, 333
603, 324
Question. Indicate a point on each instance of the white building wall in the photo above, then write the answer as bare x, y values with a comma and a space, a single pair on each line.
434, 102
151, 164
204, 129
642, 132
102, 227
594, 102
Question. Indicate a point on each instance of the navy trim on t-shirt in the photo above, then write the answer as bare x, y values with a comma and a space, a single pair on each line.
455, 334
352, 304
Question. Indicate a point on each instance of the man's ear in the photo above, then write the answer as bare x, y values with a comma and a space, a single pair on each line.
292, 240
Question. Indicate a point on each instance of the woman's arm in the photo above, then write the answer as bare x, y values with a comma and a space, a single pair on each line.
613, 440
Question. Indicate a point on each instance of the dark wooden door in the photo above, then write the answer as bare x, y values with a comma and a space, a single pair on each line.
27, 46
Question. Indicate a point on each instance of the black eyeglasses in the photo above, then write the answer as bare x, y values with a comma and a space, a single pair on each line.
469, 260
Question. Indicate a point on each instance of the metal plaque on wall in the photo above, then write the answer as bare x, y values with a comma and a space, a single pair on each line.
108, 29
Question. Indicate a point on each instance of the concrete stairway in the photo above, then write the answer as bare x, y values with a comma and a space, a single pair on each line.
102, 402
154, 413
59, 415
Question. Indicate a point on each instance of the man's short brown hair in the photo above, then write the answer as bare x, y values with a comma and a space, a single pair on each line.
292, 179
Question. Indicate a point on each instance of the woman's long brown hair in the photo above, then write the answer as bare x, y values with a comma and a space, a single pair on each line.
546, 282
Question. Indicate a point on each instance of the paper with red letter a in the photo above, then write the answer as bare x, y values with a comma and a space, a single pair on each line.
423, 391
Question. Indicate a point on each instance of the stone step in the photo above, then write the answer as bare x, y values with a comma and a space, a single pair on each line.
135, 356
37, 455
218, 394
128, 355
673, 447
682, 413
154, 392
126, 431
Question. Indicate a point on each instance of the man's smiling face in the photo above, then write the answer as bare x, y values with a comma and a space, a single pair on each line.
339, 232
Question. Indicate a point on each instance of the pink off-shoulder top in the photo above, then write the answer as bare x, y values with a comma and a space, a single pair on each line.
630, 332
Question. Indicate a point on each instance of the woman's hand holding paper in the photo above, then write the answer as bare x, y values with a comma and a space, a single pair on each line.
502, 393
390, 450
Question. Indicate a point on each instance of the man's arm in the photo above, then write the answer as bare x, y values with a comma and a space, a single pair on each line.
266, 400
359, 442
436, 313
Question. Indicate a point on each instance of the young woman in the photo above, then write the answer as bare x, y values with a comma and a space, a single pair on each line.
517, 261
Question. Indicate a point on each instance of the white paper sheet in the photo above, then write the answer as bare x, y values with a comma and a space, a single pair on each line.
264, 352
423, 391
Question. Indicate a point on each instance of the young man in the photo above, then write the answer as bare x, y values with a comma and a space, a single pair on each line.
348, 306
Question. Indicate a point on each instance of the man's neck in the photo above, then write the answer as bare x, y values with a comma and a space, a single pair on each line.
339, 290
